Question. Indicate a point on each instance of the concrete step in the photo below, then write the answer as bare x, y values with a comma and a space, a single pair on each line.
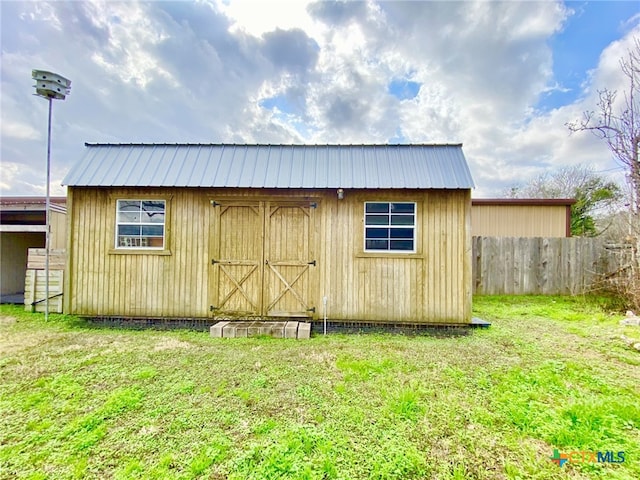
291, 329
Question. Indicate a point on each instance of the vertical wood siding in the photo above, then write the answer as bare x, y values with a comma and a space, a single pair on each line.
432, 286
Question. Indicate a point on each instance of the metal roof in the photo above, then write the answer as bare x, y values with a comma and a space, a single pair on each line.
32, 204
271, 166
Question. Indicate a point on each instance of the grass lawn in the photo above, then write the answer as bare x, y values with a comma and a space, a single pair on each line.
551, 373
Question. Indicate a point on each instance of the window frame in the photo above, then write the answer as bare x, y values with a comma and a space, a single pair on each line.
389, 225
163, 249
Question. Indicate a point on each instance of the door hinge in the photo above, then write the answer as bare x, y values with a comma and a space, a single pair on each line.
214, 261
312, 262
313, 205
312, 310
212, 308
214, 203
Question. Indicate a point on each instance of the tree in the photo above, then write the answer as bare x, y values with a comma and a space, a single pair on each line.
618, 124
592, 193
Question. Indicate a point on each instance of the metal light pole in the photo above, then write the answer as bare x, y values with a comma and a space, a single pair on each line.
50, 86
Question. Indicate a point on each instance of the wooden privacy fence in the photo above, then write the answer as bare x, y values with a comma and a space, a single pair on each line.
549, 266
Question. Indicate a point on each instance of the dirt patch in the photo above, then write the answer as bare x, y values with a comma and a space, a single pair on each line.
4, 320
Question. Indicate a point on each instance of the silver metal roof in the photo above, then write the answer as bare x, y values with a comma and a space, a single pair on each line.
272, 166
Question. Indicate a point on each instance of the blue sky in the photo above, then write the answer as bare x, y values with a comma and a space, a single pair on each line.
577, 47
502, 78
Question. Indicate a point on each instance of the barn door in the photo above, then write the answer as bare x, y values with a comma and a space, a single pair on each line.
263, 259
289, 262
238, 259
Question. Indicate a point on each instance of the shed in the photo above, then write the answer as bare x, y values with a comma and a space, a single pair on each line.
223, 231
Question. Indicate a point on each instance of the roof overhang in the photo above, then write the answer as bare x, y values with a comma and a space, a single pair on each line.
524, 201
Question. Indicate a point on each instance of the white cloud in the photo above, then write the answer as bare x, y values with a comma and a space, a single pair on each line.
199, 71
19, 130
256, 17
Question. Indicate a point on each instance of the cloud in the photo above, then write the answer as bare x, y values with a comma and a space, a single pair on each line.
291, 50
281, 72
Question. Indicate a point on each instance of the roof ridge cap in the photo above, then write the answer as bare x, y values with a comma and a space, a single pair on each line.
223, 144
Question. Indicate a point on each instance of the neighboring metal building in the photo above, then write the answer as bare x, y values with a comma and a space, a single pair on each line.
232, 231
23, 226
520, 217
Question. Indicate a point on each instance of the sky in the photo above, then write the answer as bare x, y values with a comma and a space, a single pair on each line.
502, 78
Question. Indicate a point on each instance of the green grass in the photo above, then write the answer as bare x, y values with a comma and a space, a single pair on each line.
550, 373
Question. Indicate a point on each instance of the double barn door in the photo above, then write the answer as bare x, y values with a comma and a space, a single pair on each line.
263, 261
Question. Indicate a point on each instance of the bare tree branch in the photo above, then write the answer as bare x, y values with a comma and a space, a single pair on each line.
618, 124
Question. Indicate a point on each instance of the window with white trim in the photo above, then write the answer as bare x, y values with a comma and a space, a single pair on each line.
140, 224
390, 227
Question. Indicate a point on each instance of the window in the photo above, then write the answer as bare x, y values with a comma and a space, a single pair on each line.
140, 224
389, 227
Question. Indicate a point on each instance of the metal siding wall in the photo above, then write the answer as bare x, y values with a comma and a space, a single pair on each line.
519, 220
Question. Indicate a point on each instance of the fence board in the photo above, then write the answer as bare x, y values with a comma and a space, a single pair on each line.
36, 259
549, 266
35, 291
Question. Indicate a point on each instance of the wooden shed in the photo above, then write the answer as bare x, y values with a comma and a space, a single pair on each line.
218, 231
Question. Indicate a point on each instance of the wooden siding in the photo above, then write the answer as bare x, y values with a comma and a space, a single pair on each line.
431, 286
58, 224
519, 220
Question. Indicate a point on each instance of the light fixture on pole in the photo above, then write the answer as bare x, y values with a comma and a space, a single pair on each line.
50, 86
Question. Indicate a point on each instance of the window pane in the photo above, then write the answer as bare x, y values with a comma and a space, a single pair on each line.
377, 219
153, 211
377, 207
401, 244
402, 233
402, 207
377, 233
152, 217
152, 230
129, 217
153, 205
402, 219
377, 245
155, 242
128, 230
128, 205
